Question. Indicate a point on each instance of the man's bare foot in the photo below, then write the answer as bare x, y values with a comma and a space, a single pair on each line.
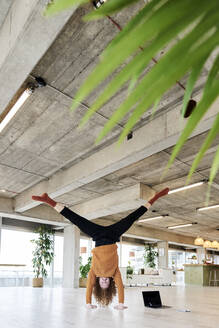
45, 199
159, 194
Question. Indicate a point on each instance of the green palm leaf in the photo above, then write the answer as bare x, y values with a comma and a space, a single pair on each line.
56, 6
214, 167
142, 16
212, 75
207, 143
147, 101
212, 78
140, 35
191, 82
204, 104
134, 68
213, 173
155, 83
154, 109
109, 8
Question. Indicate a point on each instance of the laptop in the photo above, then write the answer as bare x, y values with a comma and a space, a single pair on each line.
152, 299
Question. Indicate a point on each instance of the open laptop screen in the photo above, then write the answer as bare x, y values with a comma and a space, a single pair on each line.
152, 298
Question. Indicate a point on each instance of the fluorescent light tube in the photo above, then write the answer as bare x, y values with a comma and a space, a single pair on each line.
180, 226
186, 187
207, 208
150, 219
15, 108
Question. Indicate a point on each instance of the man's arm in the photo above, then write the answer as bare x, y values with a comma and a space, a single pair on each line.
91, 279
120, 287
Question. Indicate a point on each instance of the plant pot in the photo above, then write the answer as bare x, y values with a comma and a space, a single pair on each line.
37, 282
83, 282
129, 271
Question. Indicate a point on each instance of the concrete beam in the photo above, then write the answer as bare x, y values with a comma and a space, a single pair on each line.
116, 202
25, 36
6, 205
157, 135
18, 216
40, 214
44, 212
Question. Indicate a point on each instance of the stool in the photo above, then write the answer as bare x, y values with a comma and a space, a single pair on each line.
213, 277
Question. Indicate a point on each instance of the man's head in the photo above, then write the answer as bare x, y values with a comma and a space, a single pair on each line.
104, 282
104, 290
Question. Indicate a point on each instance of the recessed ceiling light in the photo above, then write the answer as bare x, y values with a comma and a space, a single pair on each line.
181, 225
207, 208
154, 218
187, 187
21, 100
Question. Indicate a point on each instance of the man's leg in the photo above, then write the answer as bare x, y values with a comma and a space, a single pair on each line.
118, 228
86, 226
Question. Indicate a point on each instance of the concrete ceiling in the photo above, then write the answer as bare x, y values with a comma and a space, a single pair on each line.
41, 149
4, 5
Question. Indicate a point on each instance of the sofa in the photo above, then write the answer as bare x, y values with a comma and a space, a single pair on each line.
151, 276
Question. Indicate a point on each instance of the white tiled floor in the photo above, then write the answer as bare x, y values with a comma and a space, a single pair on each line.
63, 308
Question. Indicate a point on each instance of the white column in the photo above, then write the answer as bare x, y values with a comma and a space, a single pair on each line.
200, 255
162, 247
71, 257
89, 247
52, 265
0, 233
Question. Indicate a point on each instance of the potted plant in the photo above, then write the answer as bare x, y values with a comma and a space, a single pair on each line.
84, 269
43, 254
129, 271
150, 256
